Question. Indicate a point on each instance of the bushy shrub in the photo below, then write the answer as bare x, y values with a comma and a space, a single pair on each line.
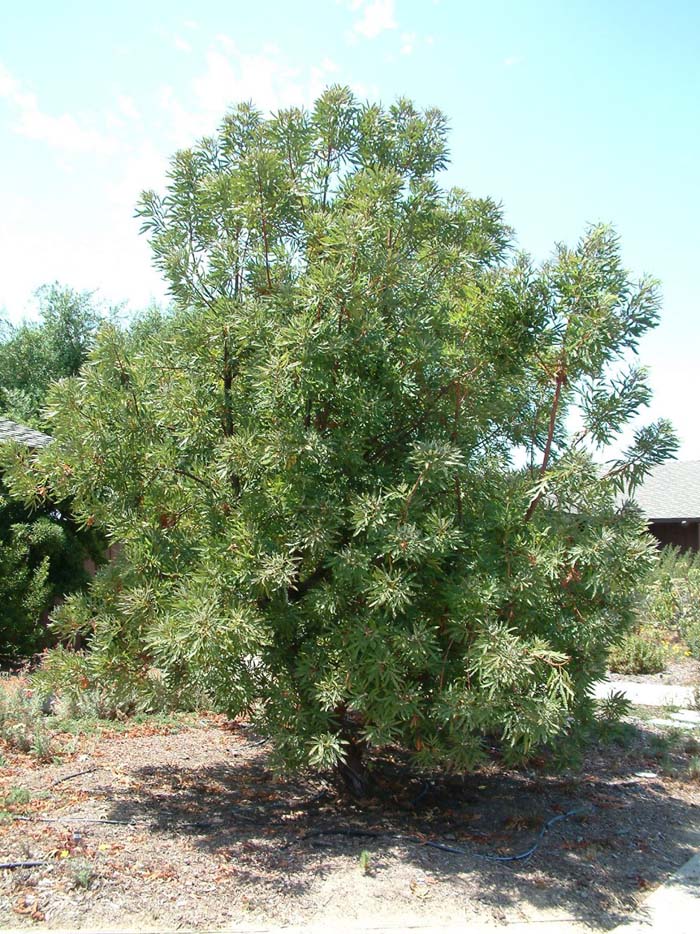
312, 471
22, 725
42, 558
691, 636
83, 685
638, 653
669, 598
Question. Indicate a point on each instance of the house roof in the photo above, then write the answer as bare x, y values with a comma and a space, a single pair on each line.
11, 431
671, 491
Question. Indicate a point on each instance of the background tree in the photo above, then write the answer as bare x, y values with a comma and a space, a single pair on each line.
42, 558
35, 353
42, 551
312, 468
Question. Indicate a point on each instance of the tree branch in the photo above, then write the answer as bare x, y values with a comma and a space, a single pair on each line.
560, 382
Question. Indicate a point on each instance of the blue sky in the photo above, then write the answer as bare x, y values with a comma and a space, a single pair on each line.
569, 112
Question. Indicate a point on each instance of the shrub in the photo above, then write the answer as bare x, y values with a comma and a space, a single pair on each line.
694, 768
669, 597
89, 685
696, 697
311, 468
42, 558
638, 653
22, 724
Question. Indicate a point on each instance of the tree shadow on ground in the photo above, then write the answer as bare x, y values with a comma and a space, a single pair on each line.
628, 832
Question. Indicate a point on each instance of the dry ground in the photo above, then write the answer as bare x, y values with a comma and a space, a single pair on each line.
680, 669
202, 834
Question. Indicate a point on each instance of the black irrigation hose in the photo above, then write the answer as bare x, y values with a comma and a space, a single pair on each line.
519, 856
444, 847
67, 778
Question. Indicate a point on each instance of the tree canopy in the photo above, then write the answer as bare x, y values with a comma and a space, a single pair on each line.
42, 553
36, 352
314, 467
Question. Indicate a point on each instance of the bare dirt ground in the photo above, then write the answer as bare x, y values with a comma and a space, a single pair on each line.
189, 828
679, 670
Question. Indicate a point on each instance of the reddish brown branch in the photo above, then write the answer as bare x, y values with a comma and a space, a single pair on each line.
560, 382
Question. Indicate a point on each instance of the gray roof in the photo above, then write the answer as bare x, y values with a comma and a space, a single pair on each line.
11, 431
671, 491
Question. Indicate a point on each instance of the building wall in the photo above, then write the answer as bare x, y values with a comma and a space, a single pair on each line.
685, 536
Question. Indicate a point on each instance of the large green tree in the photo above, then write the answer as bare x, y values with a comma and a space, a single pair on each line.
317, 469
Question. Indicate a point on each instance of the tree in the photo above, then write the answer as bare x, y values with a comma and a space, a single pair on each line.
42, 553
312, 468
42, 558
35, 353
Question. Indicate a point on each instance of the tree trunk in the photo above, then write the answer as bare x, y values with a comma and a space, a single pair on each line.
353, 773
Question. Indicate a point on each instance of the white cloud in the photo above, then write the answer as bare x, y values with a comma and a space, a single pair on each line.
96, 245
127, 107
364, 91
263, 78
11, 89
59, 131
143, 168
377, 16
408, 43
62, 132
226, 41
182, 45
266, 78
512, 61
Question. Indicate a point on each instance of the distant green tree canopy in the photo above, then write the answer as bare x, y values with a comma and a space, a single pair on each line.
311, 469
42, 550
35, 353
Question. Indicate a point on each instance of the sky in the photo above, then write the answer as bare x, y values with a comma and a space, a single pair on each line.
569, 113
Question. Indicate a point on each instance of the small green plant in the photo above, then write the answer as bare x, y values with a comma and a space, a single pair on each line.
83, 876
638, 653
18, 795
22, 724
659, 746
614, 707
694, 768
365, 862
696, 697
42, 747
609, 725
690, 631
